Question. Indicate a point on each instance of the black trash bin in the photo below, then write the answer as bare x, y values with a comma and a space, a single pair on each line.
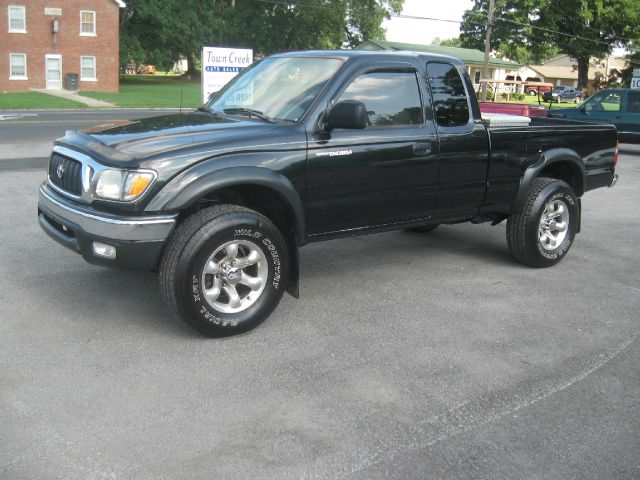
71, 81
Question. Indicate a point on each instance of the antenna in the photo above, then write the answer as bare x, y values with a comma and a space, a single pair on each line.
181, 88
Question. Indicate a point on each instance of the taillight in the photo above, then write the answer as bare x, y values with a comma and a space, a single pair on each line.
615, 156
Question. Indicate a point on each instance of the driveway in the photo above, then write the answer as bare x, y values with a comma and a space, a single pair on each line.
407, 356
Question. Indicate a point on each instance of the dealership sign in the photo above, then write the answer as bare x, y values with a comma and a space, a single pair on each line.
635, 81
220, 65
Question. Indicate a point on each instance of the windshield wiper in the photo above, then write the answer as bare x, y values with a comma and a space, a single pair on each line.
250, 112
206, 109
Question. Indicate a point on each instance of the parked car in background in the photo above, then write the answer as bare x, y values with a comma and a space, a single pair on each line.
620, 107
563, 94
534, 89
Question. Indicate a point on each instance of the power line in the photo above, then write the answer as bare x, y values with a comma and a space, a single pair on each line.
286, 3
481, 14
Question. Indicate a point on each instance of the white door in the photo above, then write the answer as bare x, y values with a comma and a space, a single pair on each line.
53, 68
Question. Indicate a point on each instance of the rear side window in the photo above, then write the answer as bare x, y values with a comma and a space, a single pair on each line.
633, 102
392, 99
449, 97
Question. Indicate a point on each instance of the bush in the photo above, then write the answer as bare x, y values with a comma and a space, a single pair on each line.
489, 95
518, 97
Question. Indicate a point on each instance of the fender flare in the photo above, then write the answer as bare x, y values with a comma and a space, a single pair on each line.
191, 185
549, 157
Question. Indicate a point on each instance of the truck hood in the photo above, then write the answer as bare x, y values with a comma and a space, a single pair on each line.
126, 142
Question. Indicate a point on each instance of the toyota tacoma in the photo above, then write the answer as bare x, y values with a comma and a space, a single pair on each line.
309, 146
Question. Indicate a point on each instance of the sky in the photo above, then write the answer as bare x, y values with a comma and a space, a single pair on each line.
424, 31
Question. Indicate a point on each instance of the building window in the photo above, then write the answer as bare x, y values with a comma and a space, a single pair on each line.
17, 19
88, 69
18, 65
88, 23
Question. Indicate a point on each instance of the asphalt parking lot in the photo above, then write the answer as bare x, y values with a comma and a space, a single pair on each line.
407, 356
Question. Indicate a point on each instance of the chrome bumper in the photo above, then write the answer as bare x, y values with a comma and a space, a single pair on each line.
138, 229
614, 180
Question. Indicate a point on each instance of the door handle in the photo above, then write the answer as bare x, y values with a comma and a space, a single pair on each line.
422, 148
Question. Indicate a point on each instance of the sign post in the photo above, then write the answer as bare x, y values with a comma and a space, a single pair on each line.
220, 65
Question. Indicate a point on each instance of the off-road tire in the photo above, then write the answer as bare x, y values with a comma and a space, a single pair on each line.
528, 236
190, 249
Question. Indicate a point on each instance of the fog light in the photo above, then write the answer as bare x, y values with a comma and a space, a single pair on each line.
104, 250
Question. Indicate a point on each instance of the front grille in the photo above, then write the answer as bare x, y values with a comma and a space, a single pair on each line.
66, 173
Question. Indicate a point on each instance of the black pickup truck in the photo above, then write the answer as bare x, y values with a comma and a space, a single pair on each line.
309, 146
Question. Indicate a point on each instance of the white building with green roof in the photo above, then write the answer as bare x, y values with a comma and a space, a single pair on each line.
499, 69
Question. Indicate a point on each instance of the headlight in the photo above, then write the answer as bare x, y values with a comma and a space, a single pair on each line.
122, 185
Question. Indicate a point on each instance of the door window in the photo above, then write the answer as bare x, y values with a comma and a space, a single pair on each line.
604, 102
392, 99
633, 102
449, 96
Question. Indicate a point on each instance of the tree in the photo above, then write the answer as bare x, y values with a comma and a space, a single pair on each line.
163, 31
446, 42
580, 28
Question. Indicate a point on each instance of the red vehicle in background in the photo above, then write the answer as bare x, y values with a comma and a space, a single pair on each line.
521, 109
533, 90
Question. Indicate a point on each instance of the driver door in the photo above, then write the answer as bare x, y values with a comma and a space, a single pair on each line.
386, 173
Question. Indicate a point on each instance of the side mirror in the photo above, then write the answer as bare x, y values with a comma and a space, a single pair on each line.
347, 114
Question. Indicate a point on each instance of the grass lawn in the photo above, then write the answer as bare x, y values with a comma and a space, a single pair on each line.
153, 91
27, 100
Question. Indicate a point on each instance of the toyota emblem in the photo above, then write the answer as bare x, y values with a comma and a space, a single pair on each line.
60, 170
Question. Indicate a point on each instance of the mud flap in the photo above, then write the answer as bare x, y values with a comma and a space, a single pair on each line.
293, 284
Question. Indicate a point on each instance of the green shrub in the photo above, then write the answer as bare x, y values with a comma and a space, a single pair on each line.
489, 95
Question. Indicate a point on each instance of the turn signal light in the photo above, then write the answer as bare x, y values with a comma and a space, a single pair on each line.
615, 156
138, 186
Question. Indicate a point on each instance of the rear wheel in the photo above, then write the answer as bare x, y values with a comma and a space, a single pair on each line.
224, 270
541, 234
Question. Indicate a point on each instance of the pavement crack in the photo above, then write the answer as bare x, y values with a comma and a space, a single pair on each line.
472, 414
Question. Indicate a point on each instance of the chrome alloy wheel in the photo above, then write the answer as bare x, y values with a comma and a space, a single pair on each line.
234, 276
554, 224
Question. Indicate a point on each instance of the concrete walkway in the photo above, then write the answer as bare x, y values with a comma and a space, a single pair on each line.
74, 96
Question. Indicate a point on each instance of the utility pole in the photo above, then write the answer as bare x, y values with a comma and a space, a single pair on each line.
487, 49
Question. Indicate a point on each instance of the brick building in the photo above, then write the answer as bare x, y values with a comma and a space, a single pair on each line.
41, 41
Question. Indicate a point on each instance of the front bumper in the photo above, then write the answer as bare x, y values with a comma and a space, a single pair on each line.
138, 240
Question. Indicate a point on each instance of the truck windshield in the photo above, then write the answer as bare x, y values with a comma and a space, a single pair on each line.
279, 88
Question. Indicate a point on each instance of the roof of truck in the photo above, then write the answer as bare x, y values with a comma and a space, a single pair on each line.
377, 54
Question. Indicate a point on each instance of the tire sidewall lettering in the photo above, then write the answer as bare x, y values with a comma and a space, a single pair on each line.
263, 240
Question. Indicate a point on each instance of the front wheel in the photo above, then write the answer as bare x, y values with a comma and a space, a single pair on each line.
224, 270
541, 234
